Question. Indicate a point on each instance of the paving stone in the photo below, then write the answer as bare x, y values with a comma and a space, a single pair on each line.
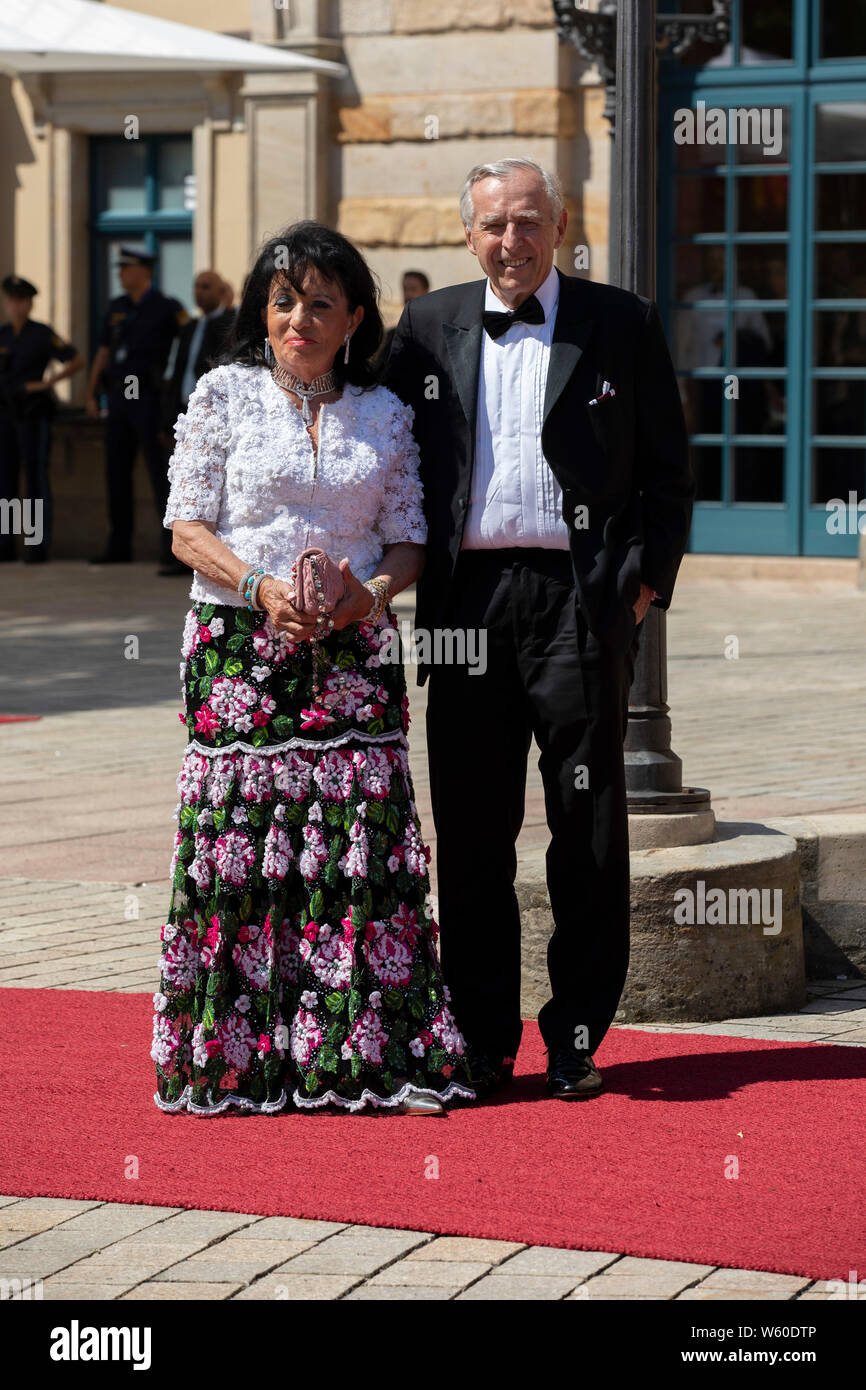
282, 1286
466, 1248
264, 1253
524, 1287
819, 1293
369, 1293
360, 1261
452, 1273
111, 1222
190, 1225
154, 1290
213, 1271
137, 1251
699, 1294
108, 1271
21, 1221
546, 1260
289, 1228
754, 1279
82, 1293
634, 1276
63, 1206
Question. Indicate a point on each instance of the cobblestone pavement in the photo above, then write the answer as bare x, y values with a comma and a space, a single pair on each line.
86, 832
105, 1251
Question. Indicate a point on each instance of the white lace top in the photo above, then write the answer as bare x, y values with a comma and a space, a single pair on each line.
243, 458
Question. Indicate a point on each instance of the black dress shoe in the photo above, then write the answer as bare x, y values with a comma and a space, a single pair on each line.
487, 1072
174, 567
572, 1075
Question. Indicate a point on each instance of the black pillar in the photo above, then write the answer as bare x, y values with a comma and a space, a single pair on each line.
653, 770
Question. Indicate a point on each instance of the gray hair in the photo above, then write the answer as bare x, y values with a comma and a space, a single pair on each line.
503, 169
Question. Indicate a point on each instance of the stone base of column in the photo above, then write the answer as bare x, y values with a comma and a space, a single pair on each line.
660, 832
698, 969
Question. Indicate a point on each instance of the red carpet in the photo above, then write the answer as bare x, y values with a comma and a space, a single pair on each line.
640, 1170
18, 718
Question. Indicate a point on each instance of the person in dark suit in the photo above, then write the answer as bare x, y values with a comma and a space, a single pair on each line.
134, 347
27, 407
200, 343
415, 283
558, 494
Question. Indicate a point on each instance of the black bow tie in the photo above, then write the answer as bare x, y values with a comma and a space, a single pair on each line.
496, 324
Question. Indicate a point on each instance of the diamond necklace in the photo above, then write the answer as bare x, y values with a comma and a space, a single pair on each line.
319, 386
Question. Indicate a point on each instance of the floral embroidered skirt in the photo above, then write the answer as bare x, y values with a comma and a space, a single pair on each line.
298, 960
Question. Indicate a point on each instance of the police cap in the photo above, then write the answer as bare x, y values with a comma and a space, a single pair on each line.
18, 288
131, 255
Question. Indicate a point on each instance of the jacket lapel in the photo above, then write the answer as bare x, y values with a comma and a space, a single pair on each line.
463, 341
571, 333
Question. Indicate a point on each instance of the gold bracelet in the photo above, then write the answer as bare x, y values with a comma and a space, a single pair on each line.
381, 591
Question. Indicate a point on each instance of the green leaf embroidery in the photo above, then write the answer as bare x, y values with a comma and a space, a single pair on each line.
211, 661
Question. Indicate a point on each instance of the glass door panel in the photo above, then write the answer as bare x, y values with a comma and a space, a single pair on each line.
834, 463
733, 315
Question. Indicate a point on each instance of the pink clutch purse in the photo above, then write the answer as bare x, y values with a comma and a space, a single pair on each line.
317, 581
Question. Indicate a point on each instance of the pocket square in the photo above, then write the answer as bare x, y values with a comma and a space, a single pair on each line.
607, 391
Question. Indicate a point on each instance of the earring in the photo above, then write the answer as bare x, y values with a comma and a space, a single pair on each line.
347, 341
268, 354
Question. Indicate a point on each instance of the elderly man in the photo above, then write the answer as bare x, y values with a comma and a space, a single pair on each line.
558, 494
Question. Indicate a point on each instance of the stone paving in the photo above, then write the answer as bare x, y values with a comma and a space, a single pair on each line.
107, 1251
86, 831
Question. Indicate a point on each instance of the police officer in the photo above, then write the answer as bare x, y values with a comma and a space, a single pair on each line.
134, 347
26, 409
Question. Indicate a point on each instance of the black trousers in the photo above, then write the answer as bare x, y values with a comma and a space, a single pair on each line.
25, 447
134, 425
545, 675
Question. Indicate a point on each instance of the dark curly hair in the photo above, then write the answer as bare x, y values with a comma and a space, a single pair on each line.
288, 256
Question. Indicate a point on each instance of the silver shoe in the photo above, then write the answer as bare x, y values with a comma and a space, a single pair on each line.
422, 1104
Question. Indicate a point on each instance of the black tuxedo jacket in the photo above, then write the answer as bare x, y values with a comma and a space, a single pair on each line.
623, 465
216, 332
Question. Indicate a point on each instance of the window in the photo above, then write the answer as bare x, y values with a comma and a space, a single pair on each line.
141, 195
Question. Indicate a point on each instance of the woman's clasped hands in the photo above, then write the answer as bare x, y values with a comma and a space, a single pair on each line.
278, 598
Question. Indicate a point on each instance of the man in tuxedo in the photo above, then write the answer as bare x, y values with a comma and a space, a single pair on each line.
558, 495
200, 341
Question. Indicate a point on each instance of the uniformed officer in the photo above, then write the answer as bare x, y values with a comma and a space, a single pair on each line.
134, 347
26, 409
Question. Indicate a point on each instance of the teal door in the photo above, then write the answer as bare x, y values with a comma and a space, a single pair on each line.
729, 281
762, 275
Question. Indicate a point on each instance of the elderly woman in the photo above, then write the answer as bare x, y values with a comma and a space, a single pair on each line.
299, 962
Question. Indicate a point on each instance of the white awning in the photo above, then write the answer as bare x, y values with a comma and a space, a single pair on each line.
85, 36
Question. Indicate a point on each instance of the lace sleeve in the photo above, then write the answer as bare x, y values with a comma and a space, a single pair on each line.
401, 516
196, 470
